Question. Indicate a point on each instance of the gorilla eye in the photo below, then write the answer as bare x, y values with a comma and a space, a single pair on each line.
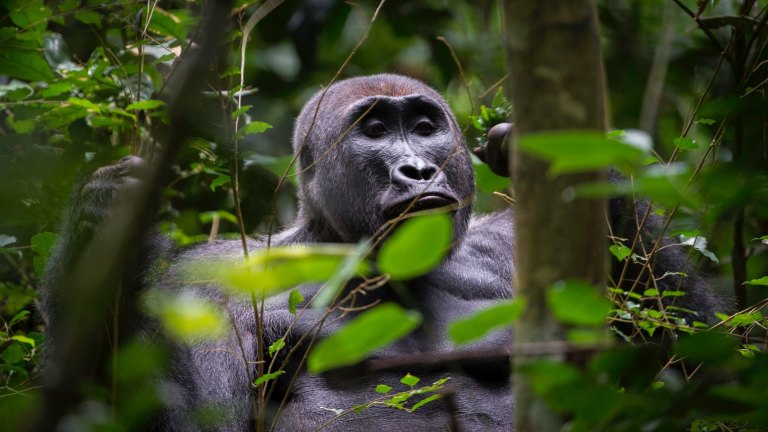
424, 128
375, 130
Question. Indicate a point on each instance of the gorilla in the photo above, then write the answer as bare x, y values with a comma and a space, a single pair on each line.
368, 149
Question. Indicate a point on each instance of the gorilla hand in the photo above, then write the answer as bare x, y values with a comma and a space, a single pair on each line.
495, 152
114, 182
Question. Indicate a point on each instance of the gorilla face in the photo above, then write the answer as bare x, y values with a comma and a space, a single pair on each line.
381, 145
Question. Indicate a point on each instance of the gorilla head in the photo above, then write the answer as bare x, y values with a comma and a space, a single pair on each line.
373, 146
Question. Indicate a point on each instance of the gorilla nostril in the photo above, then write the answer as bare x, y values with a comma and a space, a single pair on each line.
428, 172
416, 170
411, 172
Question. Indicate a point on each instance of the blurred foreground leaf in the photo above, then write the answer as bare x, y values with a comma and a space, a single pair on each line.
366, 333
417, 246
485, 321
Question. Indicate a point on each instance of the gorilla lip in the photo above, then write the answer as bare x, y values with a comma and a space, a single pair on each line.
425, 201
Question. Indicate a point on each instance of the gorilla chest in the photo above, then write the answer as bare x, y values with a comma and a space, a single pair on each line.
477, 375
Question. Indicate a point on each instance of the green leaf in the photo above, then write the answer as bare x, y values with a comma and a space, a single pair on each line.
276, 346
13, 354
479, 324
578, 151
24, 339
147, 104
578, 303
16, 91
57, 88
762, 281
546, 375
253, 128
666, 185
266, 377
19, 59
240, 111
710, 347
186, 317
294, 298
220, 181
410, 380
68, 5
61, 116
277, 166
705, 121
28, 14
417, 246
18, 317
424, 401
700, 244
42, 246
620, 251
383, 388
275, 269
209, 216
371, 330
741, 319
351, 265
686, 143
168, 24
88, 16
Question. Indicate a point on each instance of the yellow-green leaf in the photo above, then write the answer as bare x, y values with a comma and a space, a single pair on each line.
417, 246
371, 330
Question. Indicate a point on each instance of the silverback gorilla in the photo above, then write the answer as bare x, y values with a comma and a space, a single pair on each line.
374, 145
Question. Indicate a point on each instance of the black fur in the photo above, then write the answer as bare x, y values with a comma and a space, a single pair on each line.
348, 189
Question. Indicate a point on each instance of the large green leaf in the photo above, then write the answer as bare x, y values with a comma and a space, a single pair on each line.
710, 347
276, 269
29, 14
251, 128
578, 303
417, 246
761, 281
482, 322
366, 333
666, 185
186, 317
23, 60
167, 23
577, 151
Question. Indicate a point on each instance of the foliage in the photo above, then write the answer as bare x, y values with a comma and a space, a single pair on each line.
367, 332
82, 83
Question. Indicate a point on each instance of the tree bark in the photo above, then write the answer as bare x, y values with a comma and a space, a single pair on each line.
557, 83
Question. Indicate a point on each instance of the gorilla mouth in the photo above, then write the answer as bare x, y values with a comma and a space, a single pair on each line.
424, 201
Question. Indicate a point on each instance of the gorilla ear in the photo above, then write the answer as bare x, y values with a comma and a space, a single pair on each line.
495, 152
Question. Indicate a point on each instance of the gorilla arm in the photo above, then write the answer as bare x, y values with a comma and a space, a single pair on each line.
202, 376
633, 221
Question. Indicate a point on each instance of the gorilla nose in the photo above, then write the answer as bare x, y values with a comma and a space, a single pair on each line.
415, 170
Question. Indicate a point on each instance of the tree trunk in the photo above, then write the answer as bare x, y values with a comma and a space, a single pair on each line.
557, 83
